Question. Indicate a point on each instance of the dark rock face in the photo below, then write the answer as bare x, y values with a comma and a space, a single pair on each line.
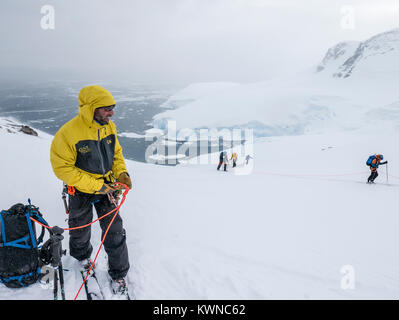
28, 130
13, 127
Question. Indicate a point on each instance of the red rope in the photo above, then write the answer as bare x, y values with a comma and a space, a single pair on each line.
319, 175
105, 234
310, 174
74, 228
102, 241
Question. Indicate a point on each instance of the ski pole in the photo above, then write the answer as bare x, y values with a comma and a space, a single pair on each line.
55, 291
64, 192
387, 171
56, 252
61, 276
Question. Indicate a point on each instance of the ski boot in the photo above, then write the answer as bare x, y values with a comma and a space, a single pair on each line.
86, 264
119, 288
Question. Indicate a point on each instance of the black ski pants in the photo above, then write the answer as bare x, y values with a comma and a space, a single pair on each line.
225, 166
373, 175
81, 213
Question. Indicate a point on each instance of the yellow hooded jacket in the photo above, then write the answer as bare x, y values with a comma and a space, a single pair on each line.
84, 152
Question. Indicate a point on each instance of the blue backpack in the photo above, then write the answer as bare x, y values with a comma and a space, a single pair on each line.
19, 251
370, 159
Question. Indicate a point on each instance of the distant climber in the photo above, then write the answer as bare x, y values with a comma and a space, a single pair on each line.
234, 158
220, 160
223, 159
247, 159
373, 162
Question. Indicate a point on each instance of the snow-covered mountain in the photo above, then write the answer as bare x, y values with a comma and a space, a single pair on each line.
352, 83
377, 55
337, 56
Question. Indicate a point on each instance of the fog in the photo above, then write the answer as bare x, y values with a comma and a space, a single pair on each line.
180, 41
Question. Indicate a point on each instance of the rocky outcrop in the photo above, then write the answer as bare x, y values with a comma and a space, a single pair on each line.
28, 130
343, 59
13, 127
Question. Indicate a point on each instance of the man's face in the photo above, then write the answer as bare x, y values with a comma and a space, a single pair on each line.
103, 114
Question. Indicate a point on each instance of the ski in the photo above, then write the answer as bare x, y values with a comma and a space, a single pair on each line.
117, 296
98, 285
92, 287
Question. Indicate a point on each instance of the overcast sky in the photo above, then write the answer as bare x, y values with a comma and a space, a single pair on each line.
181, 40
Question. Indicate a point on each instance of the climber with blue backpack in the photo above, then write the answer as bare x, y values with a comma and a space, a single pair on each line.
373, 162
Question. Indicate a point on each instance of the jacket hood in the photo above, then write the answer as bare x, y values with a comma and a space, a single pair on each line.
91, 98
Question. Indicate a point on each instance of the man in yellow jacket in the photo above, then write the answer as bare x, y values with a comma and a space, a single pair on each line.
86, 155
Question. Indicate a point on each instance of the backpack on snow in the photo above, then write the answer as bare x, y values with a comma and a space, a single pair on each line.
370, 160
19, 252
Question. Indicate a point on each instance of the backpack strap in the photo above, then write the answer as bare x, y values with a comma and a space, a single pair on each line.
40, 219
31, 233
33, 211
14, 243
21, 277
17, 243
3, 231
23, 242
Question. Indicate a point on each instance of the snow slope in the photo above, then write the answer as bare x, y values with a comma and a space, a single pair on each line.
285, 231
195, 91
